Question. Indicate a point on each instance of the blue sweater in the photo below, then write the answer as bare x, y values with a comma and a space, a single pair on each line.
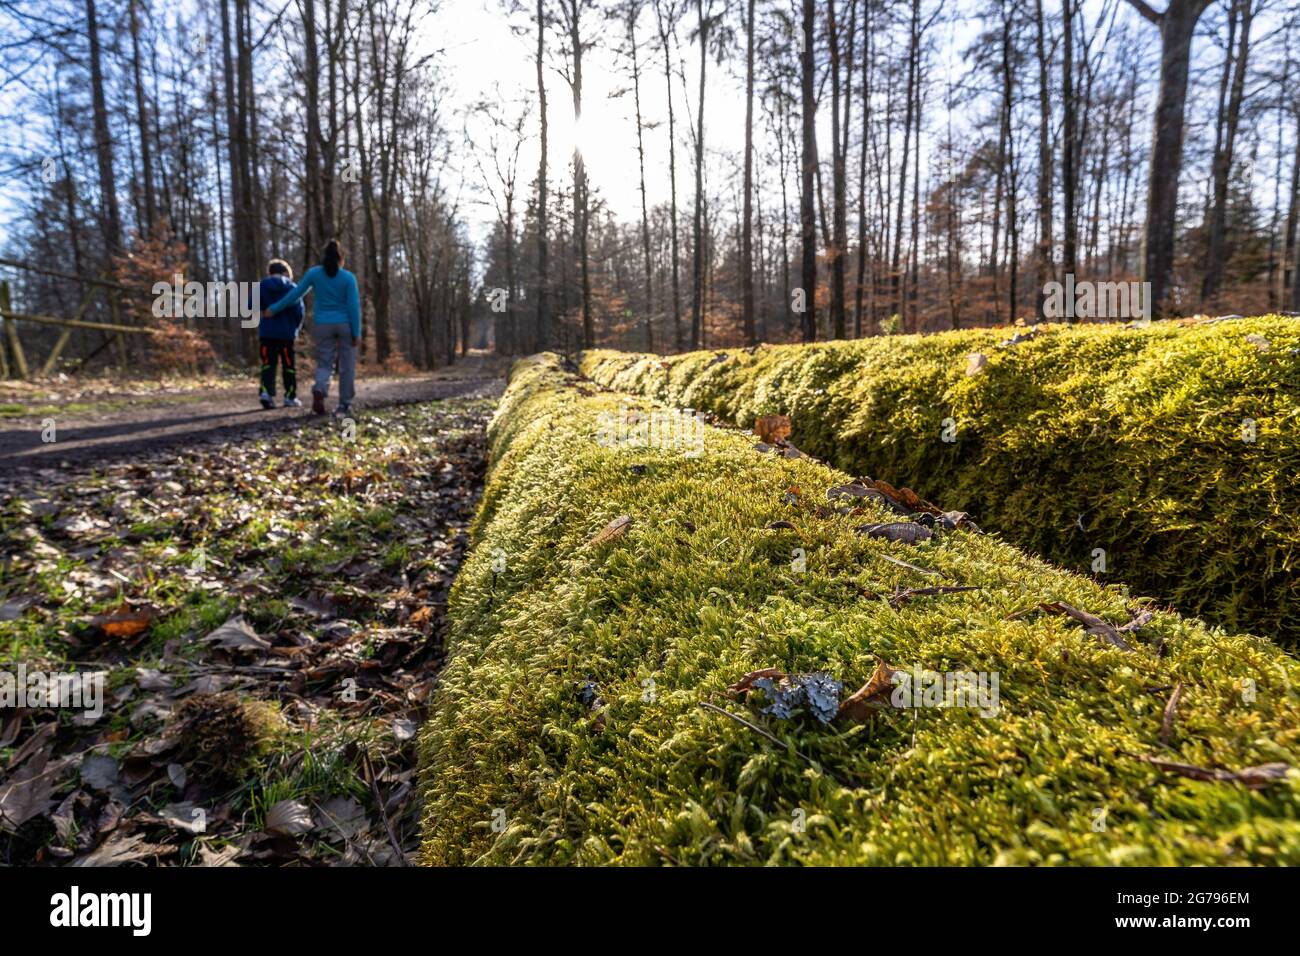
337, 299
286, 325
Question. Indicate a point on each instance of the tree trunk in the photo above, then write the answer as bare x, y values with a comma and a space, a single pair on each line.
645, 211
1177, 26
543, 279
110, 215
1244, 12
142, 121
1069, 148
1046, 268
746, 234
697, 275
807, 222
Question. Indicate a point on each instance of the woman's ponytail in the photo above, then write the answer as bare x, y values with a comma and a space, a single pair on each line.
332, 258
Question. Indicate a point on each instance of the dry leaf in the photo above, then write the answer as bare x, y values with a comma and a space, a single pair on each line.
745, 683
1255, 778
123, 622
772, 429
612, 531
908, 532
123, 849
288, 818
237, 634
872, 696
1094, 625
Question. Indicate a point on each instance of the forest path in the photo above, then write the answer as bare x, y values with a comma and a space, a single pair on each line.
221, 415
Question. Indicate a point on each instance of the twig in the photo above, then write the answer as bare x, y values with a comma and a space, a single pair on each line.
379, 805
1171, 709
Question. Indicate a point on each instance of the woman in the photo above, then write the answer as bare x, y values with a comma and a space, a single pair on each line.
337, 325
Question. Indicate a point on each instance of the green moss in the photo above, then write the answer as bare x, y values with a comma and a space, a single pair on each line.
1127, 440
517, 768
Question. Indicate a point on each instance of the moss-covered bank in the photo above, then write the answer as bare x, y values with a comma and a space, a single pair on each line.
1174, 449
567, 726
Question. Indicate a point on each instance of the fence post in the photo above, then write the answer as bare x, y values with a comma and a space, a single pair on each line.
11, 333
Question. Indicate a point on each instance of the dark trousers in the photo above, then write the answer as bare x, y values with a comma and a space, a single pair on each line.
281, 351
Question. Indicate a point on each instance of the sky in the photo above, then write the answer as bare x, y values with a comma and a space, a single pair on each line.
484, 59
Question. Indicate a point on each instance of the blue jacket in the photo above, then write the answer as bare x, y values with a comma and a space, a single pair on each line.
337, 298
285, 325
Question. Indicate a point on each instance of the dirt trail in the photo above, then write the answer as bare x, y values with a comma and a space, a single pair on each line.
224, 415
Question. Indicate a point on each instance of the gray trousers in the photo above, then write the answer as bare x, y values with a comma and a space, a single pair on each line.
335, 341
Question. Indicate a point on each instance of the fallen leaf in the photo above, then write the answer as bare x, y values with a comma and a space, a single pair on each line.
1255, 778
343, 816
123, 622
772, 429
899, 598
908, 532
288, 818
100, 772
612, 531
225, 856
237, 634
746, 682
1094, 625
976, 363
123, 849
872, 696
13, 609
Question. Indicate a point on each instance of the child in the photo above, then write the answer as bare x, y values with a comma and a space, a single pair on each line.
337, 329
277, 335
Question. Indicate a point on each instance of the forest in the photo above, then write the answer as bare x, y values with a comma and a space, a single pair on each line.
901, 166
649, 433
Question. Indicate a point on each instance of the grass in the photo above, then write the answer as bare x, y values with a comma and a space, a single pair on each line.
1164, 457
519, 765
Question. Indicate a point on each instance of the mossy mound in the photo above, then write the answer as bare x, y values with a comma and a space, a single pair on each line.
1172, 448
568, 726
225, 735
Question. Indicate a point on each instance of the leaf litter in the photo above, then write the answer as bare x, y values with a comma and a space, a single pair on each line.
269, 615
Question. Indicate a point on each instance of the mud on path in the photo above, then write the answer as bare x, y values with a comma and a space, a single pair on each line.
265, 607
214, 416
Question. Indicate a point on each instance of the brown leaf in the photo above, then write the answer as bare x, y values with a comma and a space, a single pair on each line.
612, 531
871, 697
908, 532
28, 793
745, 683
772, 429
120, 849
900, 598
237, 634
123, 622
288, 818
1255, 778
1094, 625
